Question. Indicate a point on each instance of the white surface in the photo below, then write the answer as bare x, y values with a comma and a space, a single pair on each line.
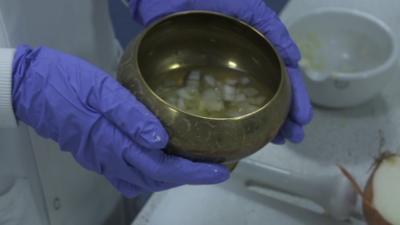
235, 202
7, 118
349, 137
339, 198
343, 41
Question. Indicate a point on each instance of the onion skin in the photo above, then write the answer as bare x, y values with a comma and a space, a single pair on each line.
372, 216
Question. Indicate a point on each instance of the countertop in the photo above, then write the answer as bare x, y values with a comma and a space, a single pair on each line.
351, 137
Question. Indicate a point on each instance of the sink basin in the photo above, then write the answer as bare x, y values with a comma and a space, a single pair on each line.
233, 202
350, 137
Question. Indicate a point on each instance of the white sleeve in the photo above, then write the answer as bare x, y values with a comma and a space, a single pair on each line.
7, 117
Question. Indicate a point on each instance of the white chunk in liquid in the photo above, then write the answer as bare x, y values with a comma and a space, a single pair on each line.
220, 94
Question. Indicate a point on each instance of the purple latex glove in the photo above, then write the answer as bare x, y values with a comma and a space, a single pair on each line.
100, 123
257, 14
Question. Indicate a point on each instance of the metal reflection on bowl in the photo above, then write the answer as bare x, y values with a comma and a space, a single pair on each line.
197, 39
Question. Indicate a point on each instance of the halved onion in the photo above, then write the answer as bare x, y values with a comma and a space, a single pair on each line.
381, 195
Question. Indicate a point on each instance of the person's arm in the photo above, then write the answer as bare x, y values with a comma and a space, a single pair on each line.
7, 117
106, 129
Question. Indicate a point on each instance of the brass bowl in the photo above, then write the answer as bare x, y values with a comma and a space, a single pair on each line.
205, 39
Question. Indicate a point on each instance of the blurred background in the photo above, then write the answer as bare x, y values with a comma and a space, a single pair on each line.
126, 29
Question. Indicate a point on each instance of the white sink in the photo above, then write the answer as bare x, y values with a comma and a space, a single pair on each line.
231, 203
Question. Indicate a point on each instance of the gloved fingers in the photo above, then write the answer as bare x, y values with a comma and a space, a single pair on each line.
132, 175
147, 184
293, 131
301, 109
110, 143
254, 12
145, 12
151, 185
130, 190
129, 115
128, 174
279, 139
126, 189
172, 169
272, 27
163, 186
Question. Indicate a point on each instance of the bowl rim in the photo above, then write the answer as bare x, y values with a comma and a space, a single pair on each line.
283, 71
391, 60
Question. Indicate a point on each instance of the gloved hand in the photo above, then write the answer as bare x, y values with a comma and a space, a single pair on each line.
257, 14
100, 123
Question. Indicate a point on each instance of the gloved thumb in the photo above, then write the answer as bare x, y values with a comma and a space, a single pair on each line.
129, 115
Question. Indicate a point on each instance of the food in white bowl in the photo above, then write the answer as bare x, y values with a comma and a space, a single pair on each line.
348, 56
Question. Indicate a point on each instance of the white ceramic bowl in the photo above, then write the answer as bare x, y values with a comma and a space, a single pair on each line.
348, 56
